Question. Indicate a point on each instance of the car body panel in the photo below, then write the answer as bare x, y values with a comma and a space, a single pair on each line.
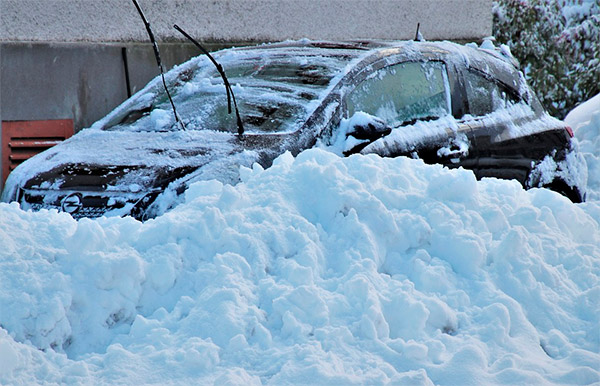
136, 161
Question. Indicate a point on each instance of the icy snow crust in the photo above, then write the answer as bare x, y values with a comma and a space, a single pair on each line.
320, 270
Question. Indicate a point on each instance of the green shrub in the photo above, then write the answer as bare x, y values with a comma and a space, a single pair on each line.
557, 43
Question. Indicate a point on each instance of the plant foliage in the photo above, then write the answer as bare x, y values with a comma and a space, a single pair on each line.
557, 43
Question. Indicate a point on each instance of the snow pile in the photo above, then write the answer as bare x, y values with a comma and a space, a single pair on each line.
585, 122
321, 270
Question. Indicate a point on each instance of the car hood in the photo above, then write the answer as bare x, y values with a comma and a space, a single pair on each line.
98, 160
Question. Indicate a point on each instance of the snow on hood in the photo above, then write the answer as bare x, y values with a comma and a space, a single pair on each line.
143, 155
321, 270
98, 147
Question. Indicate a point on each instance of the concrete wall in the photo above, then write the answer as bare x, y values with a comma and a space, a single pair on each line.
76, 81
243, 20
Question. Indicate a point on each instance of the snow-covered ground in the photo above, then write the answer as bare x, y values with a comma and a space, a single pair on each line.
585, 121
318, 270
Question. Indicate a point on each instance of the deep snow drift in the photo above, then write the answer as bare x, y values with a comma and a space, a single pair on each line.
585, 121
320, 270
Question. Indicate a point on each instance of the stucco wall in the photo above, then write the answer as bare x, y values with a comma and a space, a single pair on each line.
77, 81
243, 20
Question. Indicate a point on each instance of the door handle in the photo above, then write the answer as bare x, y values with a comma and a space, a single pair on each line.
454, 152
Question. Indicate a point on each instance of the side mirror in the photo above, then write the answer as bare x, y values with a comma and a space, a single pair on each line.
367, 127
362, 130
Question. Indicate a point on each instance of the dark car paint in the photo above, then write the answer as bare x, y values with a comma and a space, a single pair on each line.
430, 145
512, 157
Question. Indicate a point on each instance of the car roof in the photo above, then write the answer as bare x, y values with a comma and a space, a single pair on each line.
484, 51
495, 62
486, 58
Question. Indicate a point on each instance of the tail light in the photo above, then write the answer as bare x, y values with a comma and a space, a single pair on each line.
569, 130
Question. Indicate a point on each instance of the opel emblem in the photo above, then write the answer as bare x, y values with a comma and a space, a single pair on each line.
72, 203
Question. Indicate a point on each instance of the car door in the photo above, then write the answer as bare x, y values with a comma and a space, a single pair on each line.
508, 131
413, 98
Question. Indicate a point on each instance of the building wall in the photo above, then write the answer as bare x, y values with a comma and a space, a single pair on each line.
64, 59
78, 81
243, 20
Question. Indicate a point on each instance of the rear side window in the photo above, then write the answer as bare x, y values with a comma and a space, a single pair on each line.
486, 95
403, 93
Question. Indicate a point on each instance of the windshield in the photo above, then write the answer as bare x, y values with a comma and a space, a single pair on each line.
275, 92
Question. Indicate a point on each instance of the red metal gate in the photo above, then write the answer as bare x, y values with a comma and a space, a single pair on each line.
22, 140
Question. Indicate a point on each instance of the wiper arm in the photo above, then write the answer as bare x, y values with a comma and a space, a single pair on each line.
228, 88
412, 121
158, 61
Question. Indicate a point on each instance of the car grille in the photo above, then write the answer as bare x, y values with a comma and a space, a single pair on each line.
92, 206
89, 212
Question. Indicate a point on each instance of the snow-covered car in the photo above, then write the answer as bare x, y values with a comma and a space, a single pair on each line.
442, 102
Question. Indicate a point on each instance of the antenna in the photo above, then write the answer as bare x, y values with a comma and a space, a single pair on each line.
158, 61
418, 36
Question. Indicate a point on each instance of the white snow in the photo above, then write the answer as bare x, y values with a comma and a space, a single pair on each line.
318, 270
585, 122
344, 142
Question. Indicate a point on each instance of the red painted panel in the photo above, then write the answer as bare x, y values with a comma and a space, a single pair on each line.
22, 140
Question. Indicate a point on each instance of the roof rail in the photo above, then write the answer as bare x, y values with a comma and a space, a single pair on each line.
502, 51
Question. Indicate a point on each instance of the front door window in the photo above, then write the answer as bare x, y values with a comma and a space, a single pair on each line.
403, 93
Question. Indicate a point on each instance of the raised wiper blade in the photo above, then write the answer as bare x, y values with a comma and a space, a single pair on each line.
158, 61
230, 94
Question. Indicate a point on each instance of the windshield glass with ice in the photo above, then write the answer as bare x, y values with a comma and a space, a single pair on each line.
275, 92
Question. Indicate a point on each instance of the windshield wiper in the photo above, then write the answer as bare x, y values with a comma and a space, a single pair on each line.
228, 88
158, 61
